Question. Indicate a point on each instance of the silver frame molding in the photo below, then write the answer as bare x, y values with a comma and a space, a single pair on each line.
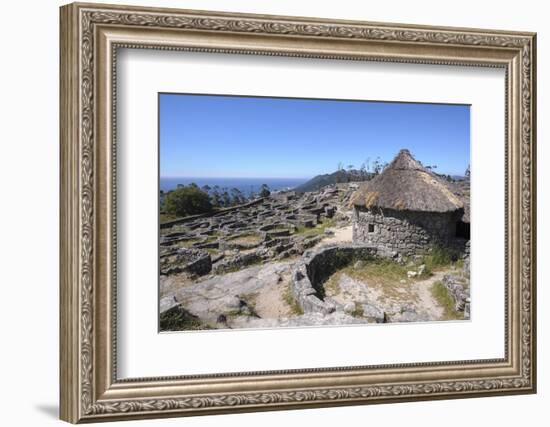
90, 37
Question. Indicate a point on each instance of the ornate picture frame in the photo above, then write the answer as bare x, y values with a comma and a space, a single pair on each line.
90, 37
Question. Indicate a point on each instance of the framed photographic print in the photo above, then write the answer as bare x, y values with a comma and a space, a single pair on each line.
264, 212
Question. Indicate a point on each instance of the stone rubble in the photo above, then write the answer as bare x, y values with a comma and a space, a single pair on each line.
233, 256
266, 229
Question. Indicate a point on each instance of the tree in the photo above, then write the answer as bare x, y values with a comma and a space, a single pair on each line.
188, 200
215, 196
339, 172
226, 199
367, 164
366, 169
237, 197
377, 166
363, 170
264, 190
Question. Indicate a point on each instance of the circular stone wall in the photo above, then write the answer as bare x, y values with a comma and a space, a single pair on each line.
316, 266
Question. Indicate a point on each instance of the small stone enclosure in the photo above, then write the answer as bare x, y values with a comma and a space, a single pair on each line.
315, 267
407, 209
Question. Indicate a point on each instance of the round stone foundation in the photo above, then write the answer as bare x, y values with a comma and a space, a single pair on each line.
316, 266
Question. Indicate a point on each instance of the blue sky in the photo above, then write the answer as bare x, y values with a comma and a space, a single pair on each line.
231, 136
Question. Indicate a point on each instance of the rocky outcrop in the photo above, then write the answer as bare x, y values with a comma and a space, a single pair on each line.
304, 320
238, 261
373, 313
228, 295
193, 261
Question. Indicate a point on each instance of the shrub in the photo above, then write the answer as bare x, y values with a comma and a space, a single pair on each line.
357, 310
438, 257
264, 190
178, 318
188, 200
443, 297
288, 297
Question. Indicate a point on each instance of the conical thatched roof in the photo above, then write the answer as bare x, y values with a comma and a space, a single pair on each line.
406, 185
461, 189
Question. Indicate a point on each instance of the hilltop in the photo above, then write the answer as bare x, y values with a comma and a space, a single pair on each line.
340, 176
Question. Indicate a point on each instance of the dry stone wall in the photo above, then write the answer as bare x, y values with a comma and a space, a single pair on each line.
404, 232
315, 267
271, 228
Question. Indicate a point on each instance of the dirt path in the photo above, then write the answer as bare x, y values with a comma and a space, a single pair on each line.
341, 235
388, 296
270, 302
426, 301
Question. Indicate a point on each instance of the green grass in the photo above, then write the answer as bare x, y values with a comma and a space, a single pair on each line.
250, 300
232, 269
164, 217
288, 297
438, 258
388, 272
332, 285
179, 319
385, 273
280, 229
236, 268
247, 239
213, 237
381, 270
318, 230
357, 311
445, 300
187, 243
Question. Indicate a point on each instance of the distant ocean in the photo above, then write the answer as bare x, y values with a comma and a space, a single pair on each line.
244, 185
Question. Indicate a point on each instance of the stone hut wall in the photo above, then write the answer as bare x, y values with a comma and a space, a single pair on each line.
406, 232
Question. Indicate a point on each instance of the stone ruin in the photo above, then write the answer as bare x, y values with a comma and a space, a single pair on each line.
262, 230
193, 261
272, 229
406, 232
459, 289
408, 208
316, 267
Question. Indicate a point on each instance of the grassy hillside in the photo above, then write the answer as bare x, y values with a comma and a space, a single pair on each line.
340, 176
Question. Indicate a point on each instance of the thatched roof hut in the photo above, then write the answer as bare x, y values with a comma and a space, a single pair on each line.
461, 189
406, 185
